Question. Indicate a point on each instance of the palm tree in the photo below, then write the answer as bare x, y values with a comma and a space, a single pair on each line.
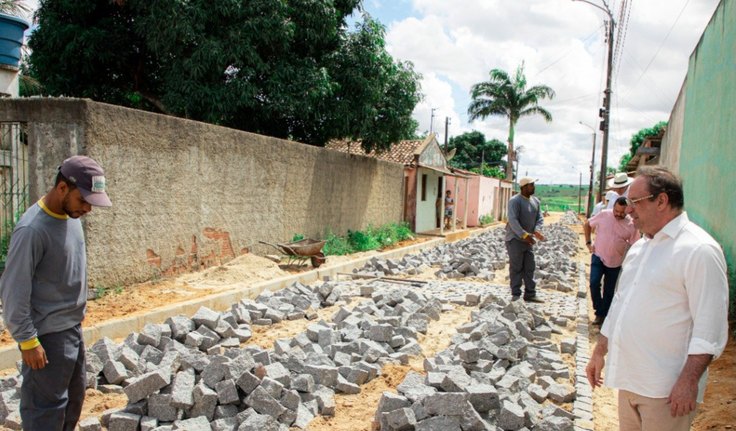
502, 95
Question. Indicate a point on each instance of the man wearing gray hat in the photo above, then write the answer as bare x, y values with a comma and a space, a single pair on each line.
44, 294
524, 222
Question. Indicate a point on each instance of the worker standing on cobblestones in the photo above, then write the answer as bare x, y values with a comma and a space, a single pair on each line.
44, 294
668, 319
524, 223
614, 234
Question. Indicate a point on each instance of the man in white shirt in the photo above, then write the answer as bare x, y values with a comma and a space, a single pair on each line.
668, 319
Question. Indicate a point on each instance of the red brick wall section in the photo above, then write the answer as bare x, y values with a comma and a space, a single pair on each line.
217, 246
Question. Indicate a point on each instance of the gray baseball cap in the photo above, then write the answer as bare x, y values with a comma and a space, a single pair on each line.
89, 178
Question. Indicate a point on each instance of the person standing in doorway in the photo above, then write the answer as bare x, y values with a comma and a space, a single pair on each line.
669, 316
524, 223
614, 234
449, 209
44, 294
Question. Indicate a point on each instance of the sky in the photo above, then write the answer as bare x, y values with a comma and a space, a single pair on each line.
561, 43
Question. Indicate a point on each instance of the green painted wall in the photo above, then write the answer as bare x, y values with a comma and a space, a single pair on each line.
708, 152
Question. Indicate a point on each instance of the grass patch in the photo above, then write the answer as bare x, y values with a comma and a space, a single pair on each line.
560, 197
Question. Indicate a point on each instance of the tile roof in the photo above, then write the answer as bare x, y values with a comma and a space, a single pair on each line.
400, 152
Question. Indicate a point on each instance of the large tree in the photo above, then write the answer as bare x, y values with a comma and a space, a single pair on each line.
285, 68
508, 97
472, 149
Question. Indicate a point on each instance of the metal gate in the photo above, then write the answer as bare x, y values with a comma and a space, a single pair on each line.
13, 181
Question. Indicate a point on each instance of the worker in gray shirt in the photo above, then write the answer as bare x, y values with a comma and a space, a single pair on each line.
524, 220
44, 294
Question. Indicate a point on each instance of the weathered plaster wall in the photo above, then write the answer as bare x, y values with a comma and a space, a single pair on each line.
188, 195
672, 139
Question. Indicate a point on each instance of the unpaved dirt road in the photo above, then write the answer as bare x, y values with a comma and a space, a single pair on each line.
354, 412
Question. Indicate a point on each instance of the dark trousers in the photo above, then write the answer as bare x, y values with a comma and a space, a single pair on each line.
521, 268
51, 398
602, 300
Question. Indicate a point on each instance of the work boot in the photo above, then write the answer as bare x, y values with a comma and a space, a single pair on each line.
515, 297
535, 299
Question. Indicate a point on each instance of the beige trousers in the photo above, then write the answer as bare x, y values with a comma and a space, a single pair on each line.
640, 413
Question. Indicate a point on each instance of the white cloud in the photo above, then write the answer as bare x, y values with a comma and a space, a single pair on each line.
562, 43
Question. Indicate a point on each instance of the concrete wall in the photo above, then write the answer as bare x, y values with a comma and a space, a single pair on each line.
707, 155
188, 195
672, 140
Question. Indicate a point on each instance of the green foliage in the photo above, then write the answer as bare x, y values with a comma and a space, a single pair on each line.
637, 139
490, 171
336, 245
486, 220
8, 227
509, 97
100, 291
285, 68
471, 148
297, 237
561, 197
362, 241
371, 238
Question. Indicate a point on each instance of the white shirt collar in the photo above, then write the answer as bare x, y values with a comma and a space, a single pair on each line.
673, 228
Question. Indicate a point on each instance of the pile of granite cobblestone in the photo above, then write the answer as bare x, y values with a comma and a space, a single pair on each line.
497, 373
502, 371
481, 256
193, 374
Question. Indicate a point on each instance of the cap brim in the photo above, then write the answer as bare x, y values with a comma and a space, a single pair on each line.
98, 199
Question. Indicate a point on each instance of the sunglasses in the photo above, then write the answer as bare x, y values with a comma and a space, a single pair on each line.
632, 202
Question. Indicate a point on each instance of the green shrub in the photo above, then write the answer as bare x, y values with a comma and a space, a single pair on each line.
371, 238
486, 219
336, 245
297, 237
363, 241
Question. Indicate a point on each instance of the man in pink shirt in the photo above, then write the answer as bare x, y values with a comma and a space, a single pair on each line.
614, 234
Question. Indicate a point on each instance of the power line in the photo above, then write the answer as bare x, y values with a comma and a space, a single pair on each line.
586, 96
663, 41
567, 52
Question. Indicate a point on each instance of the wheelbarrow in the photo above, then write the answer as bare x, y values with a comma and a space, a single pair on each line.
300, 251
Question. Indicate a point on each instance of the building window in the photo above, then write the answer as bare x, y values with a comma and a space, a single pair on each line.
424, 187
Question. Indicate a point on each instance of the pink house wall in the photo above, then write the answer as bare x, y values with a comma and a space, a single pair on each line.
488, 193
457, 187
482, 194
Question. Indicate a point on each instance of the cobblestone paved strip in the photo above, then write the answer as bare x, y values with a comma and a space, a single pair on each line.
582, 408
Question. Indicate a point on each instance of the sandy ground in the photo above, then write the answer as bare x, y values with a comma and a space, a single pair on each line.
355, 412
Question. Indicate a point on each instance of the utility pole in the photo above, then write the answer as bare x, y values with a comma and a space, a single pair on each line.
580, 192
431, 120
605, 112
447, 123
590, 205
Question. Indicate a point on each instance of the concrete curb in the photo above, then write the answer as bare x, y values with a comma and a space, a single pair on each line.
118, 328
